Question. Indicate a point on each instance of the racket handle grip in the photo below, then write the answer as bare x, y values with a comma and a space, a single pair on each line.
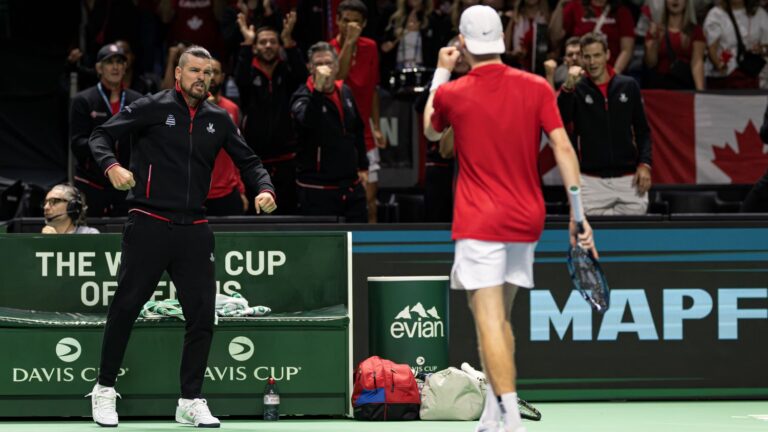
574, 193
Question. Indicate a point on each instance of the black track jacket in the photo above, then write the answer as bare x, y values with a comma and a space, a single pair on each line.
267, 102
612, 138
331, 146
173, 153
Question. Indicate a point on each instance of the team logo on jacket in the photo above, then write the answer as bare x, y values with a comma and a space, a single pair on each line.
588, 99
623, 98
257, 81
349, 103
210, 128
171, 120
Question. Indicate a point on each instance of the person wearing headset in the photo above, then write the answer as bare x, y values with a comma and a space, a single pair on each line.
64, 210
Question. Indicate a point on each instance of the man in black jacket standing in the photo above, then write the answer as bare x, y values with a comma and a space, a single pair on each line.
611, 133
332, 163
178, 135
92, 107
266, 84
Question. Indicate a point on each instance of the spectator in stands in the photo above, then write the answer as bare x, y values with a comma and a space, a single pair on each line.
259, 13
519, 34
412, 37
557, 74
227, 194
332, 162
579, 17
724, 70
64, 209
266, 84
606, 113
359, 69
91, 108
143, 84
675, 49
194, 22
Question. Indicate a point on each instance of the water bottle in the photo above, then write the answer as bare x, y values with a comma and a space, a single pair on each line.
271, 400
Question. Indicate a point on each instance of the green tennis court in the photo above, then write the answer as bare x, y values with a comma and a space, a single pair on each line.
557, 417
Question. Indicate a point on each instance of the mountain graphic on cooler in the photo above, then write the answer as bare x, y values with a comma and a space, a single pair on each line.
418, 309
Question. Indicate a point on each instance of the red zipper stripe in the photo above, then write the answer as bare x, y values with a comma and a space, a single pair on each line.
149, 180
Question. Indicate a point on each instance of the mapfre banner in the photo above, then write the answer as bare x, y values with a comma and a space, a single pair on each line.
699, 138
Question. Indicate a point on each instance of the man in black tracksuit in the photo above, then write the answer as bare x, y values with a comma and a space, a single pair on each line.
178, 134
611, 133
92, 107
332, 164
266, 84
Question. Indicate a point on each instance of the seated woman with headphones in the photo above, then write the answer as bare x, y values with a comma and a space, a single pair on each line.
64, 210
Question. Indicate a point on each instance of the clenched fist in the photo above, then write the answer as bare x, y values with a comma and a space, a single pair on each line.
322, 76
265, 202
121, 178
447, 57
574, 76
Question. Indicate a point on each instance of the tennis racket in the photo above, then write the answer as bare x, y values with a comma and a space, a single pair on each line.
586, 274
528, 411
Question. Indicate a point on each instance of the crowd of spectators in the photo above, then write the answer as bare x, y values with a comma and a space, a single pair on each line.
261, 49
661, 43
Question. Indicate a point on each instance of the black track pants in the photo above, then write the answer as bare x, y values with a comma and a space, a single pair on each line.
151, 246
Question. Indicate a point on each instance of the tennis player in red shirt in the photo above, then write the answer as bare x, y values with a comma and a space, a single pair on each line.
497, 114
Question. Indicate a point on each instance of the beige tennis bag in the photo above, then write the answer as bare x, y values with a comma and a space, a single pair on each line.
452, 394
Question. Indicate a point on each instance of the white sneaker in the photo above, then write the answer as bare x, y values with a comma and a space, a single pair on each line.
103, 404
196, 412
516, 429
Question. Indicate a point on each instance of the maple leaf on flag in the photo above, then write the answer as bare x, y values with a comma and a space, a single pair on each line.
749, 163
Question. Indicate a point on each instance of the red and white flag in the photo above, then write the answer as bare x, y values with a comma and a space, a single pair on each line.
699, 138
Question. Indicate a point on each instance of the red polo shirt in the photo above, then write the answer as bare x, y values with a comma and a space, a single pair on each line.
497, 114
618, 24
362, 80
683, 51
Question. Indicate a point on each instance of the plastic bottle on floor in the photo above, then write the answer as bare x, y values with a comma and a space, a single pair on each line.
271, 400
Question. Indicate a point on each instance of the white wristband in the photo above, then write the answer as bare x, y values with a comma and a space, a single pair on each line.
441, 76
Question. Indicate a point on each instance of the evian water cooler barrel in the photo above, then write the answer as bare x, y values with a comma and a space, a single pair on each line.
408, 320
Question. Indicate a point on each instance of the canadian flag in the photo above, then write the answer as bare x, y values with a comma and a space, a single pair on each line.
699, 138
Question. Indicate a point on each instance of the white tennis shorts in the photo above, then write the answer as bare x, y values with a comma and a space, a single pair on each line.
483, 264
373, 165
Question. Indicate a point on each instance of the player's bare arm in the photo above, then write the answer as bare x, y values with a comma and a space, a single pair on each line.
568, 164
446, 61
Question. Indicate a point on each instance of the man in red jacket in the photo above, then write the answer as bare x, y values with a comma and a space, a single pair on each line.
227, 195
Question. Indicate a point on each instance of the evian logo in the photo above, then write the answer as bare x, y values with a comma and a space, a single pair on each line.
68, 350
241, 348
416, 322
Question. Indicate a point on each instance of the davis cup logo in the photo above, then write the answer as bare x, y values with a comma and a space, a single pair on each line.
241, 348
68, 350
